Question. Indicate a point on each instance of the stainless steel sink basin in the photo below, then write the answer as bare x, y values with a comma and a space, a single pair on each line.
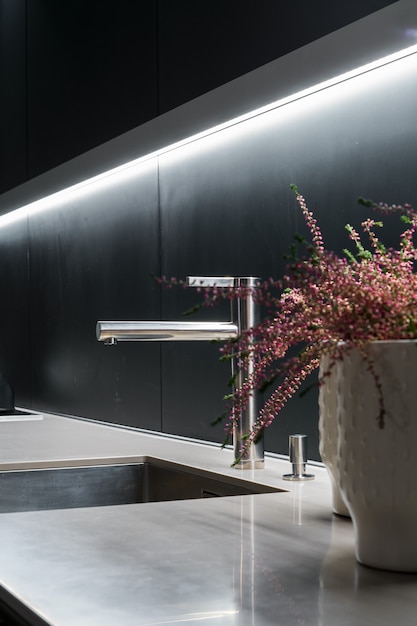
150, 480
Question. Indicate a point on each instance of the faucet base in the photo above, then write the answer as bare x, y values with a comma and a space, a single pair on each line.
248, 464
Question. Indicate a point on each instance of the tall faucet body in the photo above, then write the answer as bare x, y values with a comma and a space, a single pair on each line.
244, 315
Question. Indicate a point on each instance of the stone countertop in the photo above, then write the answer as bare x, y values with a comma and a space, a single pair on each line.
258, 560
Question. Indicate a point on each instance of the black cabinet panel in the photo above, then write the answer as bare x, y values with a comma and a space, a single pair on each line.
13, 93
91, 259
77, 74
91, 75
207, 43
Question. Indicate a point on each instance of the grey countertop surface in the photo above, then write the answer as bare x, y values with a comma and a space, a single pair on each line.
255, 560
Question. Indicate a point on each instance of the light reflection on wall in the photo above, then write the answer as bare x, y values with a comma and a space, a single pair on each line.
324, 98
386, 70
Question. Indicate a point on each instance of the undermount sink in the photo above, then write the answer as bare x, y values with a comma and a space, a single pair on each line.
149, 480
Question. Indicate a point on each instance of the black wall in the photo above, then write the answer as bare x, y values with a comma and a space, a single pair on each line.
221, 205
217, 207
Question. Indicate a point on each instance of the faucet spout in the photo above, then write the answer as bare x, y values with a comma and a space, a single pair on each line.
112, 332
244, 316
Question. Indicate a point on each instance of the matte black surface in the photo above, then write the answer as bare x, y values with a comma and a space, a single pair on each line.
207, 43
8, 617
13, 100
6, 413
193, 385
92, 75
6, 395
92, 260
15, 311
76, 74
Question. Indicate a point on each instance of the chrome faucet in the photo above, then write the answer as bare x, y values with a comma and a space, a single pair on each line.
244, 314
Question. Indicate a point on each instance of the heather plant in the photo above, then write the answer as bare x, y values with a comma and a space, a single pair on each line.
325, 304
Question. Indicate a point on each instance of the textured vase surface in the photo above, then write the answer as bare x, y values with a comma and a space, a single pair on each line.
328, 432
378, 466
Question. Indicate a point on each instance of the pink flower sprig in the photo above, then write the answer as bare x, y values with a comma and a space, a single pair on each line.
322, 300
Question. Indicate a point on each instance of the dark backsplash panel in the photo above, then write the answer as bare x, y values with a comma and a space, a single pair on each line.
92, 260
222, 205
227, 206
15, 341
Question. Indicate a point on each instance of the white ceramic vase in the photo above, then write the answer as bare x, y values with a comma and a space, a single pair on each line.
378, 467
328, 435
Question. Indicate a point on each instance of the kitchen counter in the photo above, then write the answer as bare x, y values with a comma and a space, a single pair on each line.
257, 560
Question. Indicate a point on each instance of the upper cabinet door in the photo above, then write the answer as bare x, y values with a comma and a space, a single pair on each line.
208, 43
91, 75
13, 93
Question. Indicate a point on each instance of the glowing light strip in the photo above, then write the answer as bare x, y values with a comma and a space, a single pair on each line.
129, 169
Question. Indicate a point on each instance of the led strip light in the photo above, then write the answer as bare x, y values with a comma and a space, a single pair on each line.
128, 170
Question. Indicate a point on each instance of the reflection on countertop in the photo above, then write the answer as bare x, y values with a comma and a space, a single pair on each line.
262, 560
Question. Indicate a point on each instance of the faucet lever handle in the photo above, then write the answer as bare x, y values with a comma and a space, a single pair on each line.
210, 281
